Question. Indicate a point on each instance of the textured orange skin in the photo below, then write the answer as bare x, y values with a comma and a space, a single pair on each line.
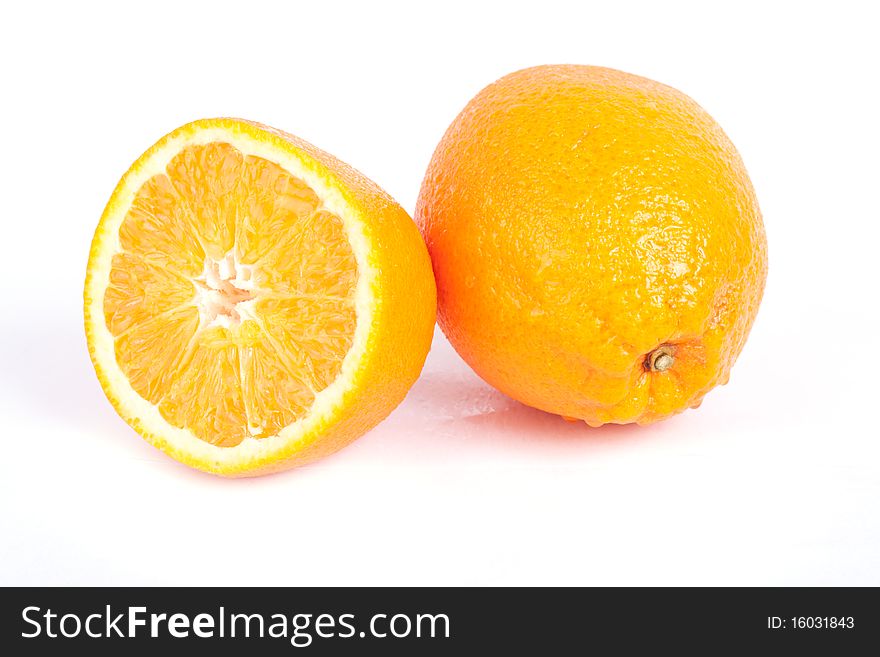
578, 218
403, 319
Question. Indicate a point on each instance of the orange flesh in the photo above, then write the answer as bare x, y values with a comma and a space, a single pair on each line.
231, 300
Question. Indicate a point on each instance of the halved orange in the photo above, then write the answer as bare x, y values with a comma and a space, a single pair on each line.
251, 302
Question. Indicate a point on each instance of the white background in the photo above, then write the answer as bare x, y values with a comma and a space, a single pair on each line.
774, 480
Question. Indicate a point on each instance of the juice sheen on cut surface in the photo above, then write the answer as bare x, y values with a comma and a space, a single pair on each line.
231, 298
252, 303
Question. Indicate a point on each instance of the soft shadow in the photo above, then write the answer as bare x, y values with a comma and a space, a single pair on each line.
457, 405
47, 374
46, 371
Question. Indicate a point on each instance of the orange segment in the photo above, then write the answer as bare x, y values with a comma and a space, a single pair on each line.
139, 291
318, 330
273, 211
150, 353
206, 180
278, 393
205, 394
325, 269
157, 227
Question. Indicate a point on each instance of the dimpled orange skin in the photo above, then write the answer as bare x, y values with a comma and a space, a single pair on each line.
597, 245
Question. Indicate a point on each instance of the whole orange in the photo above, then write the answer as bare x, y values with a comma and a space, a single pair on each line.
597, 244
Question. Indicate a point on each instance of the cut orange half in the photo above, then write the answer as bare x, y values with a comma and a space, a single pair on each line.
252, 303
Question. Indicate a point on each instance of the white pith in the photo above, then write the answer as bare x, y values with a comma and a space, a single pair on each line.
225, 294
135, 407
